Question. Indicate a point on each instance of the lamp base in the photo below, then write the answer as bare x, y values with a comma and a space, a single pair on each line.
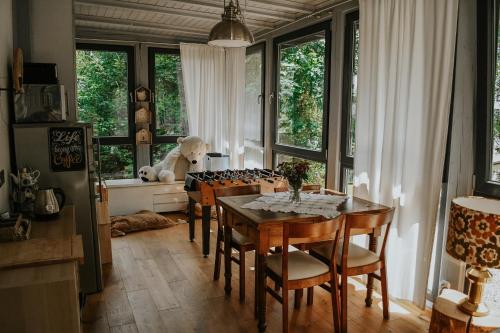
475, 310
473, 305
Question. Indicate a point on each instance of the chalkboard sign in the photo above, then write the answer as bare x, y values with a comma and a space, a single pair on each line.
67, 148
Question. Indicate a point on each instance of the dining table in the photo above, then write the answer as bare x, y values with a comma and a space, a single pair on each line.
265, 229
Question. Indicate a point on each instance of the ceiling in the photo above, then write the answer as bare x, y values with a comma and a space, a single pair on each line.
172, 21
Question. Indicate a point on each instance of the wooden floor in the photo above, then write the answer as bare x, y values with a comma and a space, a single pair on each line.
159, 282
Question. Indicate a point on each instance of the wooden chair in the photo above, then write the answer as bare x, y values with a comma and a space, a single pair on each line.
303, 247
298, 270
238, 242
355, 260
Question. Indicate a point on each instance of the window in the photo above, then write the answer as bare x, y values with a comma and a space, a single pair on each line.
169, 116
301, 96
488, 100
159, 151
487, 122
104, 78
116, 161
349, 102
317, 171
254, 106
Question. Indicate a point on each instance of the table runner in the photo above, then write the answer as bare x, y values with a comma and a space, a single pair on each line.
311, 203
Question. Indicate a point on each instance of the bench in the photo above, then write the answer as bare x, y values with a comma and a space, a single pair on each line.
128, 196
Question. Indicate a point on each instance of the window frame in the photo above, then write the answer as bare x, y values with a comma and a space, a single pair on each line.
487, 29
261, 47
158, 139
118, 140
318, 156
346, 161
129, 50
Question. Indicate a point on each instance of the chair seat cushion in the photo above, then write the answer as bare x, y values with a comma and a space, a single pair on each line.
357, 256
240, 239
300, 265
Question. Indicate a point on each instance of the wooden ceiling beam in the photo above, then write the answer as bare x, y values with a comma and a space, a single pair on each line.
108, 34
172, 29
284, 5
166, 10
254, 11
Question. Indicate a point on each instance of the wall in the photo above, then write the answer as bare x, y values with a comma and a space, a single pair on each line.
52, 40
5, 65
46, 34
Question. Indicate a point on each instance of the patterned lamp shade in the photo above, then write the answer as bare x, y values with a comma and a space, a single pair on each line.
474, 231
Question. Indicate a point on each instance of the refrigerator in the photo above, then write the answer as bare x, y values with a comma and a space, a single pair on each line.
33, 150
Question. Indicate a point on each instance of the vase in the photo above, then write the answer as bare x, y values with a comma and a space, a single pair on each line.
294, 189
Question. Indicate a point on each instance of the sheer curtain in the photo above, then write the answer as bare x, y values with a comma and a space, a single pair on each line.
405, 83
461, 167
235, 98
214, 87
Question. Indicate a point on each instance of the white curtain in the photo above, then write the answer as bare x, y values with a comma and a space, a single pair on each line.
461, 167
214, 87
235, 99
405, 83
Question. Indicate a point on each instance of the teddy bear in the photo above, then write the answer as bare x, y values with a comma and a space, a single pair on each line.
186, 157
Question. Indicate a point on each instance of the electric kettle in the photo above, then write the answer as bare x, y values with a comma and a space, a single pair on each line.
49, 202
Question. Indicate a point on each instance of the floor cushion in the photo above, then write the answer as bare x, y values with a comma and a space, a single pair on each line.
142, 220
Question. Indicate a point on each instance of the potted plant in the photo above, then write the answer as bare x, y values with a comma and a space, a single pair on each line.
295, 172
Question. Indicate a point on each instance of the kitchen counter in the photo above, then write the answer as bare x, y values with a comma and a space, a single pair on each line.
39, 278
50, 242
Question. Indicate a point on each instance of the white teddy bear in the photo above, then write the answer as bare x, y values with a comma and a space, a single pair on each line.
186, 157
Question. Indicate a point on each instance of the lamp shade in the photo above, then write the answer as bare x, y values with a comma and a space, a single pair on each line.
232, 30
474, 231
230, 33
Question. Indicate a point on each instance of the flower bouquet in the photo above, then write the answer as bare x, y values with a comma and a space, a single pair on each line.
295, 172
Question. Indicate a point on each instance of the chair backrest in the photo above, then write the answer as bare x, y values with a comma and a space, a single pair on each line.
305, 188
367, 220
311, 232
232, 191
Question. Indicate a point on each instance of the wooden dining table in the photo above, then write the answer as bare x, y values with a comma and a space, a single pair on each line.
265, 230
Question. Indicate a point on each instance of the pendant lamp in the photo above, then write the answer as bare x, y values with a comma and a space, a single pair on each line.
232, 30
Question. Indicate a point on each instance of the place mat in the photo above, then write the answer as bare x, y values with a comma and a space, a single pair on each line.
311, 203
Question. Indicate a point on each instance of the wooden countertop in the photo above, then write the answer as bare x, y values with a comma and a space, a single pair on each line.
63, 226
51, 242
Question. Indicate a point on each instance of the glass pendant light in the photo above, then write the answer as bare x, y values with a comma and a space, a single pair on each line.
232, 30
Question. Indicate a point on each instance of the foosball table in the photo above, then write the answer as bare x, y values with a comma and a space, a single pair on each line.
200, 188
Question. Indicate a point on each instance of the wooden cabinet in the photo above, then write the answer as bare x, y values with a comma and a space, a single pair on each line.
39, 286
104, 226
128, 196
